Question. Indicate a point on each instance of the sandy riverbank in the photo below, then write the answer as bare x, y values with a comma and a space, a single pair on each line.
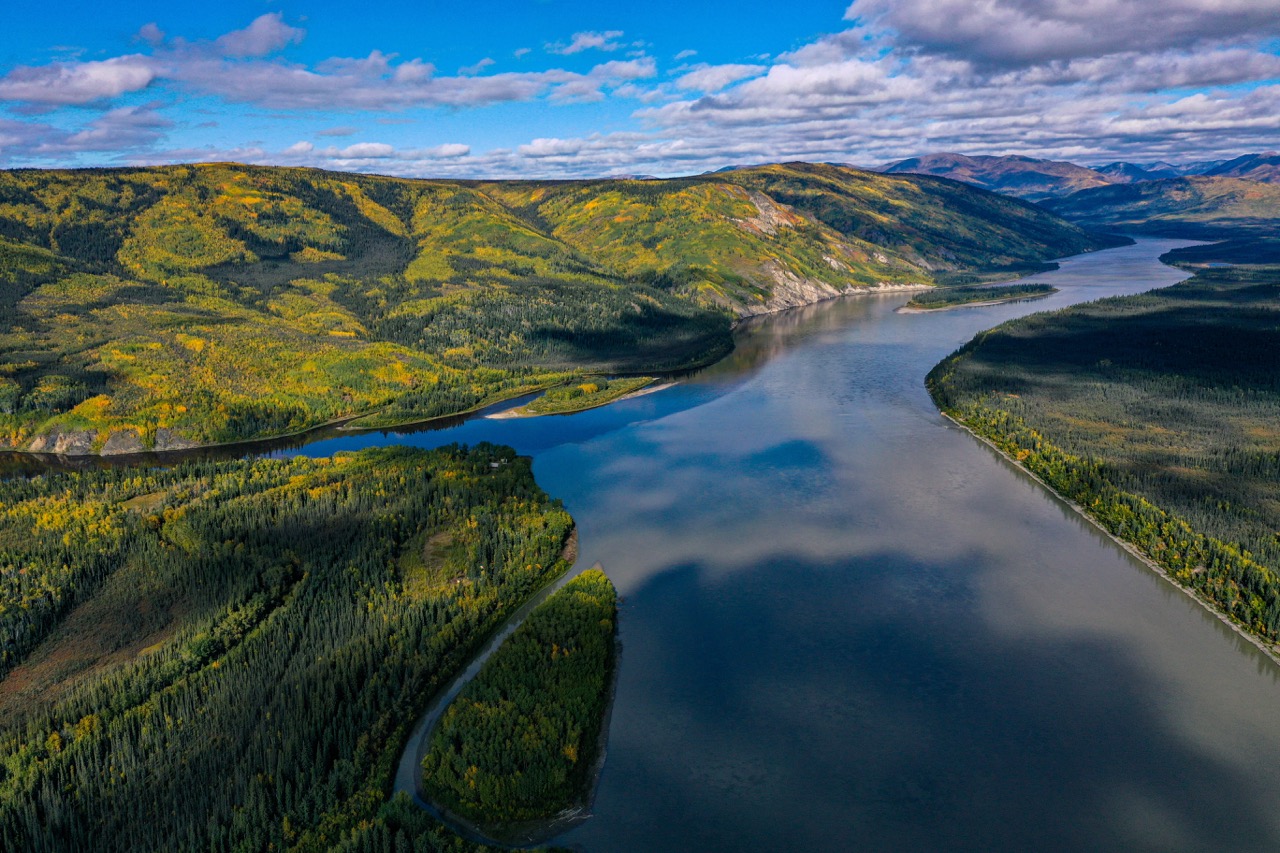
523, 411
908, 309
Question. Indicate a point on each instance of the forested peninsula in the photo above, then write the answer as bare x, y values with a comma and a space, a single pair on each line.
227, 655
1158, 415
521, 741
954, 297
167, 307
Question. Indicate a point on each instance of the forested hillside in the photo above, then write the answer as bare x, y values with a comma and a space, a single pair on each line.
1160, 415
226, 656
163, 307
1195, 207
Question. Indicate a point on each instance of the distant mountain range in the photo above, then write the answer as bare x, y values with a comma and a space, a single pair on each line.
1037, 180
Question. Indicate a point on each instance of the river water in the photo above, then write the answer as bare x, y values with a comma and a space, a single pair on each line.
848, 625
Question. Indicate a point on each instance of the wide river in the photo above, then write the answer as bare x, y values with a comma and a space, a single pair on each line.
848, 625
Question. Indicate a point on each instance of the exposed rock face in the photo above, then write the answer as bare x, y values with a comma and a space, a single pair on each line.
167, 439
771, 216
123, 441
789, 291
69, 443
80, 442
792, 291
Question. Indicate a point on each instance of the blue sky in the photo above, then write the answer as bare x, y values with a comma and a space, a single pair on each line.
551, 88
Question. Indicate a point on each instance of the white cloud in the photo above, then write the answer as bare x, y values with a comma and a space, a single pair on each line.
368, 150
884, 88
588, 41
266, 35
471, 70
78, 82
1022, 32
713, 78
448, 151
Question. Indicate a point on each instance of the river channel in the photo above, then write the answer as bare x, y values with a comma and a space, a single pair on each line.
848, 625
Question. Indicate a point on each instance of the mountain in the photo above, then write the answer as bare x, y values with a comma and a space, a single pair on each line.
1023, 177
1250, 167
1038, 180
1196, 206
167, 307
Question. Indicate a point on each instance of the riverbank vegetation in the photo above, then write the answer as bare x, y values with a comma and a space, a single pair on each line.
520, 742
1159, 414
950, 297
162, 307
588, 394
228, 655
1253, 250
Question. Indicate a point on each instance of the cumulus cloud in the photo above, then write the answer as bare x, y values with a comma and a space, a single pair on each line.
588, 41
238, 67
117, 130
367, 150
1194, 81
78, 82
267, 34
1022, 32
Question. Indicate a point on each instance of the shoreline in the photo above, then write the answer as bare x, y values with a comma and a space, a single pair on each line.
522, 411
407, 778
344, 423
528, 834
1133, 550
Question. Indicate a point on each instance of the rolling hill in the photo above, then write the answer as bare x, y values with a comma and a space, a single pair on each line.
160, 308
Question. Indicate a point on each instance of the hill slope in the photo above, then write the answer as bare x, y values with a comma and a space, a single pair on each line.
165, 307
1250, 167
1194, 206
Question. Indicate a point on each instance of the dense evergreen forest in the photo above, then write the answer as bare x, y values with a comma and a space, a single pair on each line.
1159, 414
949, 297
162, 307
1253, 250
225, 655
520, 741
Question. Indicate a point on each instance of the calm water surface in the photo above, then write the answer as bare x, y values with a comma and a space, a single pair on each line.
847, 625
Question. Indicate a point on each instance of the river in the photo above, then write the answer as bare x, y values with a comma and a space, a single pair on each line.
847, 624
